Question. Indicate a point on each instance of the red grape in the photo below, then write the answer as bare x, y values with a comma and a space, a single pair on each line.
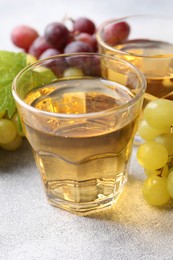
57, 38
57, 65
57, 35
23, 36
116, 33
88, 38
84, 24
49, 52
88, 64
38, 47
95, 45
78, 46
94, 67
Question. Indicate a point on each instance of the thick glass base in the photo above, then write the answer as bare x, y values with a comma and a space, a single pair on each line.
83, 198
82, 209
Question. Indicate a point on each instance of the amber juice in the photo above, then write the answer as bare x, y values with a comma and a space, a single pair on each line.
155, 60
82, 161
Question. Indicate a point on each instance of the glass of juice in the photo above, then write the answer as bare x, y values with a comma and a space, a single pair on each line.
80, 113
145, 41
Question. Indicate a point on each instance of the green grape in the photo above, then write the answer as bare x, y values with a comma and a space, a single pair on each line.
155, 190
8, 131
13, 145
170, 161
148, 133
170, 170
15, 119
73, 72
158, 172
152, 155
167, 141
30, 59
170, 183
2, 114
159, 113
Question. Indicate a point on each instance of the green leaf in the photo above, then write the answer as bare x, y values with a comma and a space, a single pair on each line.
11, 64
34, 78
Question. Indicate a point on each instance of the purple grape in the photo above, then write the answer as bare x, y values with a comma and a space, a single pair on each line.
87, 38
57, 65
116, 33
57, 35
38, 47
78, 46
93, 66
88, 64
49, 52
84, 24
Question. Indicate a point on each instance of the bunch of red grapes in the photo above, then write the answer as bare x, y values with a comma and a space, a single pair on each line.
57, 38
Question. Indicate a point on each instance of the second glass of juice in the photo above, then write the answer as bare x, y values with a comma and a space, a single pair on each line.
147, 42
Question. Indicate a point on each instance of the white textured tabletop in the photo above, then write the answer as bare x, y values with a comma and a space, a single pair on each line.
30, 228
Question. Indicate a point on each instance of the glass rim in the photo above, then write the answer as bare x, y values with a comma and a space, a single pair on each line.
124, 18
76, 116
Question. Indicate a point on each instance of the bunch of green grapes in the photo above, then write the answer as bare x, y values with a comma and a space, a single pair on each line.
10, 134
156, 153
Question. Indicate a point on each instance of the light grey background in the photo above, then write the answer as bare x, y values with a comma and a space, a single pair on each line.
30, 228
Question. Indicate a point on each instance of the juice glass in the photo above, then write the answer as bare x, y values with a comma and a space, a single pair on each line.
80, 113
147, 42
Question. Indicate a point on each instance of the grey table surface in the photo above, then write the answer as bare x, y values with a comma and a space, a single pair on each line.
32, 229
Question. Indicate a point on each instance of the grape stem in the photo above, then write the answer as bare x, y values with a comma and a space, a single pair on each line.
66, 18
160, 175
168, 95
